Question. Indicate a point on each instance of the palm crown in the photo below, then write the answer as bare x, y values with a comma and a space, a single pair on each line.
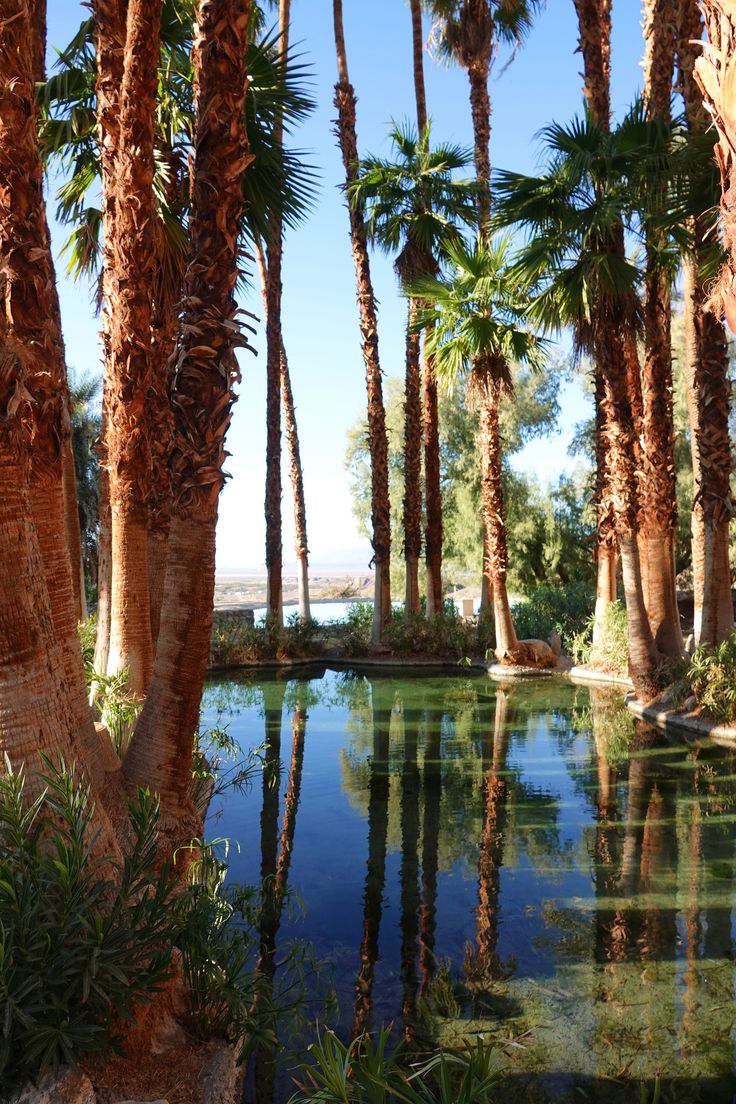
477, 325
466, 29
414, 203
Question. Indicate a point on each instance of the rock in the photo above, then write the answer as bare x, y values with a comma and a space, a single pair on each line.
141, 1102
64, 1088
220, 1081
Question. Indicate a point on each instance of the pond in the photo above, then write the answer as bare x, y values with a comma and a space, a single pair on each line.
527, 862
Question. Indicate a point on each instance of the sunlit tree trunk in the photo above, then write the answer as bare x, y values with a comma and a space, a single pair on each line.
412, 465
164, 330
432, 488
296, 474
202, 396
706, 355
492, 507
31, 320
657, 492
130, 290
377, 440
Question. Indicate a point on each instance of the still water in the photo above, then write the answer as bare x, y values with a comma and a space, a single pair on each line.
527, 862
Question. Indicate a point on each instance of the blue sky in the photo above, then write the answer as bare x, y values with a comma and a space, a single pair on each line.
320, 318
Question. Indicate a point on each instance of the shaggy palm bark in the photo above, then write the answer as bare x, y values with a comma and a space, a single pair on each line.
110, 26
345, 103
657, 491
412, 464
296, 474
202, 396
165, 325
492, 509
274, 346
130, 289
594, 33
31, 319
709, 390
431, 430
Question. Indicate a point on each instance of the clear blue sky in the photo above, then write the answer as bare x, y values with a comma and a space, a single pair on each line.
320, 318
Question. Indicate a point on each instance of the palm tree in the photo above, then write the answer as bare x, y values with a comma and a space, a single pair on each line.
658, 503
206, 370
345, 102
279, 177
432, 488
708, 386
83, 394
477, 330
414, 204
574, 215
468, 32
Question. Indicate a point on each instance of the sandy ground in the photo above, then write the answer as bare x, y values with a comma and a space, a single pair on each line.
249, 591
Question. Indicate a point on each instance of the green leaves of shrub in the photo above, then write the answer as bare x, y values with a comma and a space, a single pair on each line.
711, 674
82, 940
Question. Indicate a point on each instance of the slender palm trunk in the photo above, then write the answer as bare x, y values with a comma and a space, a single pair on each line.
492, 507
274, 352
109, 50
202, 396
165, 324
432, 486
296, 474
131, 286
412, 464
657, 492
345, 103
709, 392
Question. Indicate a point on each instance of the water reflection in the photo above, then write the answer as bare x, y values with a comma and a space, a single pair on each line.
527, 862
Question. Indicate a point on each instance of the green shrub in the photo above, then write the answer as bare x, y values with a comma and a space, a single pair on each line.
446, 635
564, 610
81, 940
235, 642
611, 651
711, 675
87, 634
364, 1073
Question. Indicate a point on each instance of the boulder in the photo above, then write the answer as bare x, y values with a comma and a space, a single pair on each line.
66, 1087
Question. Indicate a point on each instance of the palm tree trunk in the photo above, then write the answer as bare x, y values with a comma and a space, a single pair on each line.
412, 465
709, 392
432, 487
295, 463
131, 287
492, 507
109, 50
297, 487
165, 324
30, 318
657, 491
594, 35
202, 396
377, 439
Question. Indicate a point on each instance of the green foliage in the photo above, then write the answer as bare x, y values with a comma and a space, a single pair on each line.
87, 634
611, 651
711, 674
235, 641
356, 635
446, 635
119, 708
82, 940
364, 1073
564, 610
84, 393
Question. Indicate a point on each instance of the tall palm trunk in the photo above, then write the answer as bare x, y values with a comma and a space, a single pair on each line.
165, 324
274, 346
432, 487
709, 393
296, 474
657, 491
594, 31
110, 26
202, 396
412, 464
345, 103
492, 508
31, 319
131, 287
